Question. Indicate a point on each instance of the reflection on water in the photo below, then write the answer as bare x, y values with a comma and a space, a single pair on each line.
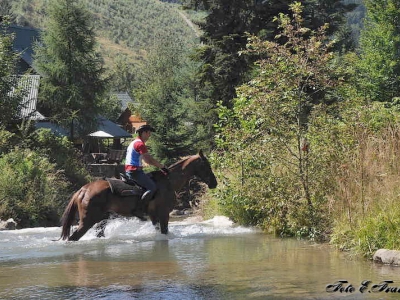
197, 260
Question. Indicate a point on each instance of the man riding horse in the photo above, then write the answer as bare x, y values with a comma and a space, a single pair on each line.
136, 153
94, 201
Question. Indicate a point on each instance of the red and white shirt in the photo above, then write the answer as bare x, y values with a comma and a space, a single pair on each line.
134, 154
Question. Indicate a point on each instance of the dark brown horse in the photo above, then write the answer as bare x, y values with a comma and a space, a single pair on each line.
94, 202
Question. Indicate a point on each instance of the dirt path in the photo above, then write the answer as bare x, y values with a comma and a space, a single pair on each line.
190, 23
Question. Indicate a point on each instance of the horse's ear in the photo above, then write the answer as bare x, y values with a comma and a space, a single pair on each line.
201, 153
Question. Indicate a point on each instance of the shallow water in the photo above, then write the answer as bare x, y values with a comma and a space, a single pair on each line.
197, 260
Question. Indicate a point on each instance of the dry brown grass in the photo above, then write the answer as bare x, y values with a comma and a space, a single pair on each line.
369, 180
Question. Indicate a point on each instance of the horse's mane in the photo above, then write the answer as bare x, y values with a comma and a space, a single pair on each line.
183, 160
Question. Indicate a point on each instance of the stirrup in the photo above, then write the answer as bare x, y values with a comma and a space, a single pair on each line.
146, 196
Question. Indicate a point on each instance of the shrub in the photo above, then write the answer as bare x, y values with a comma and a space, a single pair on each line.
60, 151
365, 180
31, 189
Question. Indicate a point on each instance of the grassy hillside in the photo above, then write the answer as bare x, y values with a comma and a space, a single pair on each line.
126, 29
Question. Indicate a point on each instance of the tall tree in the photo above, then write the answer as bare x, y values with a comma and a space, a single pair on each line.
167, 96
5, 8
271, 174
379, 50
72, 70
11, 96
225, 36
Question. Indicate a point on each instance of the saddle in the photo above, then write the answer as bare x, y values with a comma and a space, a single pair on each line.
125, 187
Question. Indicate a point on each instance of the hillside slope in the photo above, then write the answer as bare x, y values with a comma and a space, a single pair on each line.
124, 27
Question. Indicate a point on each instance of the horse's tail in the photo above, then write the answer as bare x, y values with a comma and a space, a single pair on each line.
68, 216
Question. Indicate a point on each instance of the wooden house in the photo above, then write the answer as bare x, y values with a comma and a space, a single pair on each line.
128, 120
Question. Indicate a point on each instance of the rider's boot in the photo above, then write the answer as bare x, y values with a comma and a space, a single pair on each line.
140, 211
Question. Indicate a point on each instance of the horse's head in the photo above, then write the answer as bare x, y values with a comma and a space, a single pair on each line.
204, 172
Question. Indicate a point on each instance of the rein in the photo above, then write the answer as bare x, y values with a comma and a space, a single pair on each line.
185, 160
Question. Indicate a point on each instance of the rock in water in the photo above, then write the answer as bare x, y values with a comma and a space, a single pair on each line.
10, 224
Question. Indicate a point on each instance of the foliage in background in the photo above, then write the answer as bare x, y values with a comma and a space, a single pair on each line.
379, 43
11, 94
355, 19
111, 107
225, 30
224, 65
60, 152
365, 140
32, 190
129, 29
126, 75
5, 141
125, 30
71, 68
39, 172
168, 102
366, 179
5, 8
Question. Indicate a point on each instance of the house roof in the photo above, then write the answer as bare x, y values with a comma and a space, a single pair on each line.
29, 84
108, 129
23, 42
125, 99
54, 128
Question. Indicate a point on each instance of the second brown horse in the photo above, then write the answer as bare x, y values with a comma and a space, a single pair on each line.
94, 201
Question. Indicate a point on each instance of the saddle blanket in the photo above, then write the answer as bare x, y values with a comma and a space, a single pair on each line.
121, 188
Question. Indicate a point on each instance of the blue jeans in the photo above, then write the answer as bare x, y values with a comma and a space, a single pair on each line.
140, 177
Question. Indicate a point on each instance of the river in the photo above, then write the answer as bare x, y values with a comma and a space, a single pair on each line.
211, 259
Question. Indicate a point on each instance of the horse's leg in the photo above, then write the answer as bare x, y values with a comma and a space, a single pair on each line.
100, 227
80, 231
155, 222
164, 224
87, 220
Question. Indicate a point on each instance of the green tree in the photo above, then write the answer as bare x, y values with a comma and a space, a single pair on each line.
225, 36
5, 8
379, 56
111, 107
123, 77
11, 95
72, 70
167, 96
271, 175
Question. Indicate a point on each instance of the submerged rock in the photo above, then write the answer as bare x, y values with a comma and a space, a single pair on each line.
10, 224
385, 256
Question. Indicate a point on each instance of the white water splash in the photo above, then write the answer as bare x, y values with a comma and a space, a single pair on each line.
42, 242
190, 227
